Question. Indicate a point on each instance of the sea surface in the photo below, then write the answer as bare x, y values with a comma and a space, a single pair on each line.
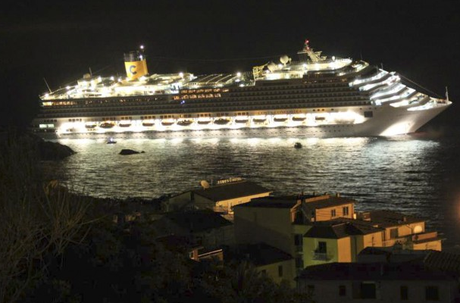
418, 174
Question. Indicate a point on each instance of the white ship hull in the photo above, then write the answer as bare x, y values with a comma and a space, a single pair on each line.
386, 121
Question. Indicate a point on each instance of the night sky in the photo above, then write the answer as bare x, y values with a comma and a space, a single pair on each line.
61, 40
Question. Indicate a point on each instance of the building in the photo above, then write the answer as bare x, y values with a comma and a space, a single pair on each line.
396, 276
220, 197
203, 227
267, 259
324, 229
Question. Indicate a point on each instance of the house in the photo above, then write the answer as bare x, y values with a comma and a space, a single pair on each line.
325, 228
282, 221
385, 275
220, 197
186, 246
204, 227
267, 259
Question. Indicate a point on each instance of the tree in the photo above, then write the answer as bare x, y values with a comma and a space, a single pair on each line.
36, 222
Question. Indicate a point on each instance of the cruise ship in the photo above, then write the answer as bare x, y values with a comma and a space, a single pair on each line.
313, 96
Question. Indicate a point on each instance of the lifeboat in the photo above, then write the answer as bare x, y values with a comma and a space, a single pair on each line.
167, 122
148, 123
222, 121
298, 118
91, 125
107, 125
280, 118
259, 119
241, 119
184, 122
124, 123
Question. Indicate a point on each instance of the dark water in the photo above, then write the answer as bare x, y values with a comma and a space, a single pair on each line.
413, 174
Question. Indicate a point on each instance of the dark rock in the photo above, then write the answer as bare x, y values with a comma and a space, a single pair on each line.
129, 152
45, 150
53, 151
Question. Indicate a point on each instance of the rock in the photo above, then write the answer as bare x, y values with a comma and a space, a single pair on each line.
129, 152
45, 150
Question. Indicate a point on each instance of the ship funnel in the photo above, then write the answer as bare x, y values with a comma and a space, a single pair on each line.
135, 64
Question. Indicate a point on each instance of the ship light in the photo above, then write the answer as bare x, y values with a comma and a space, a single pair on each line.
112, 78
181, 74
68, 87
141, 47
238, 74
397, 129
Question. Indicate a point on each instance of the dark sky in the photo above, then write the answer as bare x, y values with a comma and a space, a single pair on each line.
61, 40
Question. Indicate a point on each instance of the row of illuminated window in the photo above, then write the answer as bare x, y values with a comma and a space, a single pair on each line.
199, 91
199, 96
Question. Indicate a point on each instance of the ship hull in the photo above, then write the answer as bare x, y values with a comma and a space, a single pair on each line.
386, 121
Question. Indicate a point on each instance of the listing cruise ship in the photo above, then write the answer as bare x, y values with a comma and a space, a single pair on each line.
316, 96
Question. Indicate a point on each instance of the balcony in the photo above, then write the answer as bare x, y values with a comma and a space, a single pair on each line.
321, 256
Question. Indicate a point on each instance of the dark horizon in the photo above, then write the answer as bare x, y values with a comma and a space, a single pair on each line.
60, 42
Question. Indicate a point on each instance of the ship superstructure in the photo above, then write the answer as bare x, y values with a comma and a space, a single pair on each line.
316, 96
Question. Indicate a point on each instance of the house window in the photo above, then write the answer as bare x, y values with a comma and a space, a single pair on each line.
280, 271
404, 292
322, 247
432, 293
368, 290
342, 290
333, 214
393, 233
345, 211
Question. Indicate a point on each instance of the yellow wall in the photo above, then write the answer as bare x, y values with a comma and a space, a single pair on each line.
310, 244
227, 205
324, 214
288, 271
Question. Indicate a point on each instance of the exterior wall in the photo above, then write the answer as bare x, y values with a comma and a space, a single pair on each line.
287, 273
433, 245
270, 225
332, 255
386, 291
403, 230
202, 202
325, 214
369, 240
344, 252
178, 201
217, 237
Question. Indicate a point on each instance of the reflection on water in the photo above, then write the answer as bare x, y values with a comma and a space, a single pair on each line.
409, 175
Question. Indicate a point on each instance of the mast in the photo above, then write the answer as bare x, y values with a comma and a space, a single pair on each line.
49, 89
447, 94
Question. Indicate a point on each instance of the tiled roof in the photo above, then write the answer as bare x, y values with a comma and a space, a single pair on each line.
231, 191
372, 272
445, 261
196, 221
272, 202
336, 229
258, 254
329, 202
387, 218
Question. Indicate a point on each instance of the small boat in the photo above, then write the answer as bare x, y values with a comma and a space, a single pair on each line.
184, 122
298, 145
107, 125
221, 121
111, 141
